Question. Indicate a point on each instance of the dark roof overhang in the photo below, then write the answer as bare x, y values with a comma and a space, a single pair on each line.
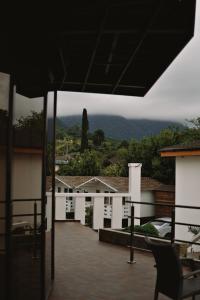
192, 149
112, 47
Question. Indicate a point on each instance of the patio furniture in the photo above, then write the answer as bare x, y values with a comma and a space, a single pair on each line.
170, 278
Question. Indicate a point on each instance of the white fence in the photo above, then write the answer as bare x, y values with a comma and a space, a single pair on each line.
104, 207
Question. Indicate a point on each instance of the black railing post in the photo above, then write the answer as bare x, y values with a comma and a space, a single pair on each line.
132, 260
35, 232
173, 225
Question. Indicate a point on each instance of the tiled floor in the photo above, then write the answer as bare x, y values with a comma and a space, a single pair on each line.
87, 269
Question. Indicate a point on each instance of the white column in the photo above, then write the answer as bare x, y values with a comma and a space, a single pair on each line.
79, 209
98, 212
116, 222
135, 187
60, 208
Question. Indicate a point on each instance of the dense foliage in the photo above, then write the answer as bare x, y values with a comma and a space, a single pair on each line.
111, 157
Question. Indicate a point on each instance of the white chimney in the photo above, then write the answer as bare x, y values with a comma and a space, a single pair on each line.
135, 186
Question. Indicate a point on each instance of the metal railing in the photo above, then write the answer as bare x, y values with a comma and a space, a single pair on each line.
173, 224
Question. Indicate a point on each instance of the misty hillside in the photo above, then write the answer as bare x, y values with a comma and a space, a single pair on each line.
118, 127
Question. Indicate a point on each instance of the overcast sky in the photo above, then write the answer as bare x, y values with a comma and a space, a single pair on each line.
175, 96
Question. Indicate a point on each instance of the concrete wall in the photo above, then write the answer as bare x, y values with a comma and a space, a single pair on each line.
187, 193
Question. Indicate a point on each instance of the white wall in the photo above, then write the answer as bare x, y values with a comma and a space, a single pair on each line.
187, 193
26, 184
147, 210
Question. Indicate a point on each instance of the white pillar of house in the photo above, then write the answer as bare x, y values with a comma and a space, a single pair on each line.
79, 209
98, 212
60, 208
135, 187
116, 221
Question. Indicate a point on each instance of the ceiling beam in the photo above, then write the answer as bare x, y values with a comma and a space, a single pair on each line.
92, 58
122, 31
63, 66
140, 42
104, 84
110, 57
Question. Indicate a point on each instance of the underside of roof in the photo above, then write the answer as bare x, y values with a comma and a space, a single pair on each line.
112, 47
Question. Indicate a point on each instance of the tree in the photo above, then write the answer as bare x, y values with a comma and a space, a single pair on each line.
113, 170
84, 131
89, 164
98, 137
85, 164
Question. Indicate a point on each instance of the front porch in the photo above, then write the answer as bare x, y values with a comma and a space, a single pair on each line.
87, 269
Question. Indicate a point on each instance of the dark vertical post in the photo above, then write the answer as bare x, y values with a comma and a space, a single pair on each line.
132, 260
53, 190
43, 217
35, 231
173, 225
9, 152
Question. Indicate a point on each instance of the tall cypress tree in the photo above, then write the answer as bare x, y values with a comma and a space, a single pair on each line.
84, 132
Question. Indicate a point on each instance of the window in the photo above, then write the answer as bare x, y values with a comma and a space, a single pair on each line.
88, 199
65, 190
123, 200
59, 189
106, 200
97, 191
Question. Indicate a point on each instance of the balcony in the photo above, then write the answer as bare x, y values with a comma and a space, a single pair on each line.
92, 270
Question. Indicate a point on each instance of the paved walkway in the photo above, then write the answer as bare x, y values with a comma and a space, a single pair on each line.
87, 269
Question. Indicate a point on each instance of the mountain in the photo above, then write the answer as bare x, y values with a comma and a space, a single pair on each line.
118, 127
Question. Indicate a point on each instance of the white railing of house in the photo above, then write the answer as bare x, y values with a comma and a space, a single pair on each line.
76, 202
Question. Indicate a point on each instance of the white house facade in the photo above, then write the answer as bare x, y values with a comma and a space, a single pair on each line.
187, 190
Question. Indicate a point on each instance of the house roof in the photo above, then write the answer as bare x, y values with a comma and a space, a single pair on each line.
120, 184
113, 47
192, 149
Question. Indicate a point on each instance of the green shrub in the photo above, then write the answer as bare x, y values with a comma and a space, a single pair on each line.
89, 216
147, 229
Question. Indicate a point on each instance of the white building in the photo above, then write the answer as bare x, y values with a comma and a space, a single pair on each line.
110, 190
187, 187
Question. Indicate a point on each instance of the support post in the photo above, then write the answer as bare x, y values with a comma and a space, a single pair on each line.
116, 222
135, 187
79, 209
60, 208
132, 258
98, 213
173, 225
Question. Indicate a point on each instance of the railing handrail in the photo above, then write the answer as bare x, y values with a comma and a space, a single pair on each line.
91, 194
173, 223
166, 205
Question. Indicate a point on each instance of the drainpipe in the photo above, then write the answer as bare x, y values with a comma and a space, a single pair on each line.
135, 188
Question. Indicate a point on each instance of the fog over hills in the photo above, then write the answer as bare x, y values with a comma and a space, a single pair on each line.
118, 127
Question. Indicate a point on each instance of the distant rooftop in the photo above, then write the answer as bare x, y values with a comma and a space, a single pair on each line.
120, 184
